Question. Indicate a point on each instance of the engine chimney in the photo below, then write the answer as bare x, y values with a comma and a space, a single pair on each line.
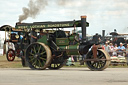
83, 27
103, 34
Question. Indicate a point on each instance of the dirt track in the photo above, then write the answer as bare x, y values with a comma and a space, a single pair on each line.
64, 76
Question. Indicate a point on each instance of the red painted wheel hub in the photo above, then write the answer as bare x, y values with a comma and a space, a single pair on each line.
10, 54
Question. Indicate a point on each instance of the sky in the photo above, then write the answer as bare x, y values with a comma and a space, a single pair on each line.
101, 14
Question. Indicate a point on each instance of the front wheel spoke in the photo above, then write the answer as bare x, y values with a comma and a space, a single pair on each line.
98, 65
102, 63
93, 64
101, 56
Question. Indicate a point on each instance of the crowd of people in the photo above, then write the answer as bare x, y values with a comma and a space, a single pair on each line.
120, 51
115, 50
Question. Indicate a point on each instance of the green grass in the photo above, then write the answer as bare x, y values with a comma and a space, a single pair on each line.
4, 63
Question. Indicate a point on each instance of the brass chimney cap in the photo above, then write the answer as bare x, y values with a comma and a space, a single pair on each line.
84, 16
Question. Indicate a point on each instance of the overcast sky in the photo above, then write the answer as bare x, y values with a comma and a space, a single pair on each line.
101, 14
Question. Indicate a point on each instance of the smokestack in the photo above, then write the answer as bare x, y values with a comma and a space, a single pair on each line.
103, 34
83, 27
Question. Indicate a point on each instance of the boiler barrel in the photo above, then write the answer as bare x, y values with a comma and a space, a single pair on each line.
71, 49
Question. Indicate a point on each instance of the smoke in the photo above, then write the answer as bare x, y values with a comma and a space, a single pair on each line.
34, 8
62, 2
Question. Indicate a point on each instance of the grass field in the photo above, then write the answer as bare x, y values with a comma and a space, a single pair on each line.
17, 64
6, 64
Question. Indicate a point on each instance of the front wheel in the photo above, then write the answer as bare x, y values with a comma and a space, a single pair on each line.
100, 63
10, 55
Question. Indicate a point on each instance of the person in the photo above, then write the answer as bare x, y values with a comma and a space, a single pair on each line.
111, 49
70, 61
114, 50
14, 39
107, 47
33, 36
41, 34
25, 40
127, 53
121, 49
96, 38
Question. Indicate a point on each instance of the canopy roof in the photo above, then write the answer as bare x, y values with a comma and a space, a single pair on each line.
47, 25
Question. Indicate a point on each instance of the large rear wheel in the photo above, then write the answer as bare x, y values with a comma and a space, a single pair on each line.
38, 56
100, 63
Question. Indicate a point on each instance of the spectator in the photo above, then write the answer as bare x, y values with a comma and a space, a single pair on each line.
107, 47
111, 49
114, 50
121, 49
102, 46
70, 61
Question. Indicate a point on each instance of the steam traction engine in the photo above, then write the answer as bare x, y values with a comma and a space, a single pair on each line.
53, 49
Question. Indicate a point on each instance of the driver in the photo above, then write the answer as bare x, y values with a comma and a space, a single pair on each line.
33, 36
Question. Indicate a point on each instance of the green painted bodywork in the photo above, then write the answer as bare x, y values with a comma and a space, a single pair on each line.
62, 41
43, 39
71, 49
72, 36
63, 44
